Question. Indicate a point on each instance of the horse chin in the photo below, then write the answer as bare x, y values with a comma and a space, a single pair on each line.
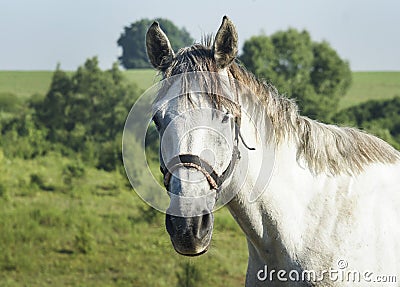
192, 254
192, 249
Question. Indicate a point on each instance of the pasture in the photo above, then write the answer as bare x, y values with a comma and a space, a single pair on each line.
25, 83
67, 224
371, 85
92, 230
365, 86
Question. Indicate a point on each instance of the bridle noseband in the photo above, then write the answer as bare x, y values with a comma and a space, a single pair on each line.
189, 160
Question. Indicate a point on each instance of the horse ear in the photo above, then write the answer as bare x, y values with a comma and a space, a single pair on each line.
158, 47
225, 43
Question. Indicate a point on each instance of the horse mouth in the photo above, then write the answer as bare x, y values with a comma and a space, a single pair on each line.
195, 254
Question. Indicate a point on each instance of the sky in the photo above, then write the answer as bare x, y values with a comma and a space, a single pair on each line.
36, 35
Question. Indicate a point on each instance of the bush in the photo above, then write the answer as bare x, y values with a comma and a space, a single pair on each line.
10, 103
37, 181
110, 155
86, 112
23, 137
73, 170
380, 117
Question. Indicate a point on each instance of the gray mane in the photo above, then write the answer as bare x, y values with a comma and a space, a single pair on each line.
325, 148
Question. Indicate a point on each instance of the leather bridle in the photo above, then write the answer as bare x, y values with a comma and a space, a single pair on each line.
214, 179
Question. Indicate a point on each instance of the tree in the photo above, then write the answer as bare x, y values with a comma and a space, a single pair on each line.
85, 112
132, 41
308, 71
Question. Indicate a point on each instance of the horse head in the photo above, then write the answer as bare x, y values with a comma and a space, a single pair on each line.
198, 132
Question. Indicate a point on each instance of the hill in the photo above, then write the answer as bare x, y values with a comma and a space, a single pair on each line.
26, 83
366, 85
371, 86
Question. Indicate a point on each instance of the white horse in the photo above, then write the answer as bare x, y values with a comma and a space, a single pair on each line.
329, 214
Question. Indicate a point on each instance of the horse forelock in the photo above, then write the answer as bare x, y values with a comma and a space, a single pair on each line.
198, 58
325, 148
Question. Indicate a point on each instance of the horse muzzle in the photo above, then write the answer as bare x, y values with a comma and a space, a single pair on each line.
190, 236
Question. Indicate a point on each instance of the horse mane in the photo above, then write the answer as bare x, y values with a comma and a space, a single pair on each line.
324, 148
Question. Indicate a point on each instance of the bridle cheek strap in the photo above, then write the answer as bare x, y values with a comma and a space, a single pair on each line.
193, 161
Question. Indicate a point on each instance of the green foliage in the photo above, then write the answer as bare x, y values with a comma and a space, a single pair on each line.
110, 154
381, 118
23, 137
10, 103
308, 71
149, 214
132, 41
86, 111
38, 181
73, 171
83, 113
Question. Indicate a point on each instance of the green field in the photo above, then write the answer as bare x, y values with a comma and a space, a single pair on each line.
371, 85
366, 85
143, 78
91, 229
27, 83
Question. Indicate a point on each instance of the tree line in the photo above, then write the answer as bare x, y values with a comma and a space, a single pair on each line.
83, 113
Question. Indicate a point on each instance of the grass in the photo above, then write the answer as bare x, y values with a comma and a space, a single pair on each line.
143, 78
371, 85
25, 84
95, 231
366, 85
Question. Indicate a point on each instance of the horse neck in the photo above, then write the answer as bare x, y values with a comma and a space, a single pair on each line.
272, 205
